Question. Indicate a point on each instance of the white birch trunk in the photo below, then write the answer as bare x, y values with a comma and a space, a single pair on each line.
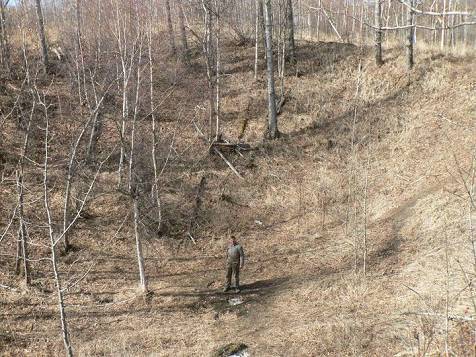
155, 186
140, 257
56, 274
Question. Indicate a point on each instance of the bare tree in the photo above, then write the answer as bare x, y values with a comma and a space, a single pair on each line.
127, 47
257, 34
183, 34
96, 130
262, 23
136, 177
140, 256
170, 28
22, 244
135, 113
78, 24
4, 45
208, 51
72, 166
290, 32
272, 130
99, 39
443, 24
378, 33
55, 237
135, 192
53, 240
410, 34
41, 34
217, 72
155, 187
318, 21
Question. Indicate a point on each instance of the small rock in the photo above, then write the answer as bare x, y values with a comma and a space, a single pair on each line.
235, 301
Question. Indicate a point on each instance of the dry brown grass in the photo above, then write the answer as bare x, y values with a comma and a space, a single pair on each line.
303, 296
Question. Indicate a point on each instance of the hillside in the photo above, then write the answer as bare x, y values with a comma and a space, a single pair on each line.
373, 162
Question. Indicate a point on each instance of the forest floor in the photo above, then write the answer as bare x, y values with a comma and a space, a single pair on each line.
379, 174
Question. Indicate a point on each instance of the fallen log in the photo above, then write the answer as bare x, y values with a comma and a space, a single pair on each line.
235, 171
221, 145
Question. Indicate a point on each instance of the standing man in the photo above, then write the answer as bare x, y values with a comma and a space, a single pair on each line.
235, 260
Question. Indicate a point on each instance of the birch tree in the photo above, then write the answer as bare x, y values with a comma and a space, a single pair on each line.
127, 40
135, 183
443, 24
135, 193
140, 256
155, 187
57, 232
53, 240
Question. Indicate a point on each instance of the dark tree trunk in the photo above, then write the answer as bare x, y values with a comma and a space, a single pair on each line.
208, 51
78, 27
173, 49
183, 34
41, 34
262, 23
22, 230
378, 33
411, 34
96, 131
4, 46
272, 131
290, 29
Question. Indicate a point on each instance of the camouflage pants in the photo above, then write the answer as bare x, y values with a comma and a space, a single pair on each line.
232, 268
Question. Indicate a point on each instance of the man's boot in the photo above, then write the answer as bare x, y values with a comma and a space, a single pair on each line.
237, 282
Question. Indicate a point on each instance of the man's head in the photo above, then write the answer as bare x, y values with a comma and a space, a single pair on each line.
233, 240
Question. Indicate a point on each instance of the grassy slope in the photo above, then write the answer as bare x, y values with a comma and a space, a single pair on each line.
302, 296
